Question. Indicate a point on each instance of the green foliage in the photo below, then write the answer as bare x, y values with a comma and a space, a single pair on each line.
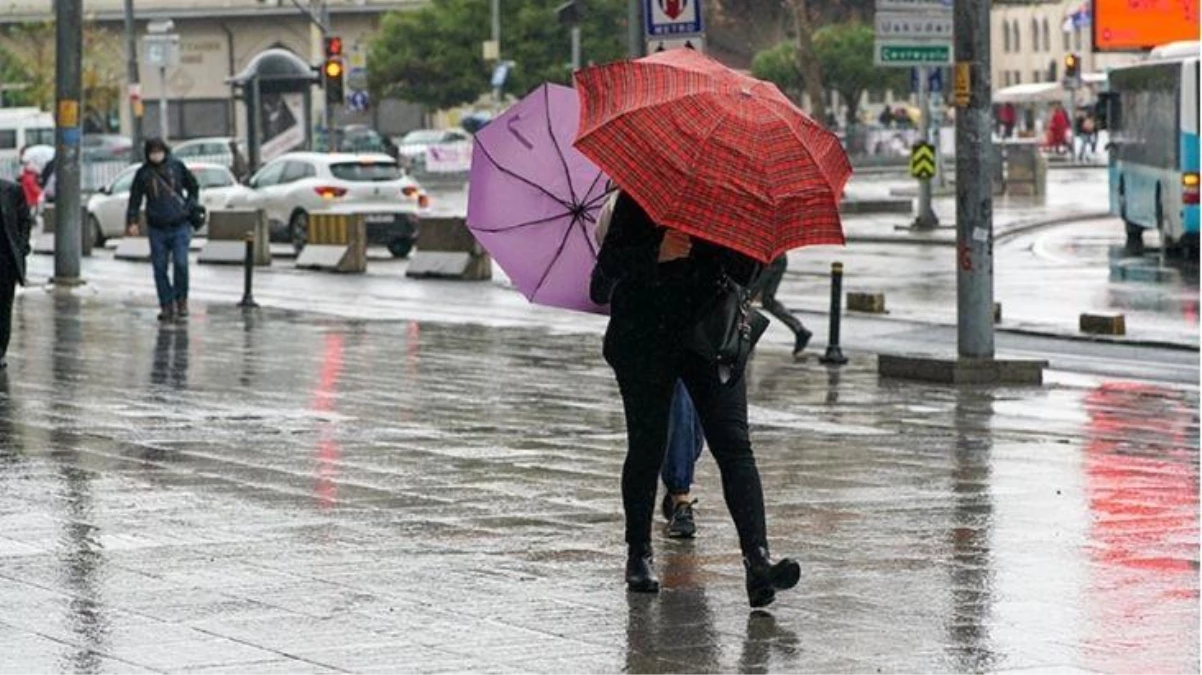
433, 56
778, 65
845, 56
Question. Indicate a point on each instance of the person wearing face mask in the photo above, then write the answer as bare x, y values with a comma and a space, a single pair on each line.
169, 191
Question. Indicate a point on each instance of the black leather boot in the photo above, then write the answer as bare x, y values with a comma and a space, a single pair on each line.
764, 578
640, 570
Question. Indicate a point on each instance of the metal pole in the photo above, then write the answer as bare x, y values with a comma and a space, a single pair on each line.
163, 129
68, 85
248, 277
634, 28
926, 217
495, 8
575, 48
974, 194
131, 74
834, 353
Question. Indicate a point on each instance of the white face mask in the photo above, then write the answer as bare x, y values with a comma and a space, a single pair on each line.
157, 157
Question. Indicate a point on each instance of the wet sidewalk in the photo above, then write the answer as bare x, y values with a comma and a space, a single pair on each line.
293, 493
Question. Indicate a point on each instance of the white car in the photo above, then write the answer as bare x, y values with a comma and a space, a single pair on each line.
414, 144
293, 186
106, 208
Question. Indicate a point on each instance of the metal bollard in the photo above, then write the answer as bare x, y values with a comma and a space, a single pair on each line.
834, 353
248, 299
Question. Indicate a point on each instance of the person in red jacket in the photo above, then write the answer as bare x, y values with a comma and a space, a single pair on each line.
1058, 129
30, 183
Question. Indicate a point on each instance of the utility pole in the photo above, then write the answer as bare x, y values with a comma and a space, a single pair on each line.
135, 87
634, 28
926, 218
974, 189
68, 86
575, 47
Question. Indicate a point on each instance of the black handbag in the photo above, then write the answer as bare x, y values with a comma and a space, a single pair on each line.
727, 330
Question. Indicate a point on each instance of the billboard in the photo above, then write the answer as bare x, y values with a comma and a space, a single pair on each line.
1132, 25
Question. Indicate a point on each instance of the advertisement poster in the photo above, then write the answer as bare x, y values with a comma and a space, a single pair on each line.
281, 124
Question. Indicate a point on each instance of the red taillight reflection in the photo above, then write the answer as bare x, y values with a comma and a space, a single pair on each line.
1189, 188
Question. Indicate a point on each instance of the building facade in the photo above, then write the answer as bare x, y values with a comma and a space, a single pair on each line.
217, 39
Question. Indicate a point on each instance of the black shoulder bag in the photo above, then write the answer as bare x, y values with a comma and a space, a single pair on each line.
196, 212
727, 330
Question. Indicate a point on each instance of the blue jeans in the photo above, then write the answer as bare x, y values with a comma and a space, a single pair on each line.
170, 245
685, 441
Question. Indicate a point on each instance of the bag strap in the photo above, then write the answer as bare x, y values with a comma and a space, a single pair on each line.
159, 178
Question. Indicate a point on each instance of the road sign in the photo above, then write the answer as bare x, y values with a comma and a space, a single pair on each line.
162, 50
358, 100
922, 161
934, 80
944, 6
500, 74
673, 17
662, 45
921, 26
913, 54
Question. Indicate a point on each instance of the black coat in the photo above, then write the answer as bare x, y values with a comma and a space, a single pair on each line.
653, 303
168, 191
17, 223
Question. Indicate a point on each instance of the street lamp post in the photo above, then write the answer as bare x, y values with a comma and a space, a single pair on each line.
162, 50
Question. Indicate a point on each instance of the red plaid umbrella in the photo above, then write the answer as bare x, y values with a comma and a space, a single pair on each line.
713, 153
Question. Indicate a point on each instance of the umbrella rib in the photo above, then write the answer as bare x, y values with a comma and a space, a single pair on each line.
563, 243
513, 174
591, 202
555, 141
528, 223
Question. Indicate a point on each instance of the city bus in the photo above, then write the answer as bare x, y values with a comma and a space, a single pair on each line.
1151, 112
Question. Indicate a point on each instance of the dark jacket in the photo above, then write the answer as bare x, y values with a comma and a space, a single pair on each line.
168, 189
17, 221
653, 303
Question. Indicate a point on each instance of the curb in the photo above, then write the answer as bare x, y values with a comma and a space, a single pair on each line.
1014, 230
1108, 339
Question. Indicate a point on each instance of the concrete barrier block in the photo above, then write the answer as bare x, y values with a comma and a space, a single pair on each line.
228, 229
873, 303
1103, 324
448, 250
337, 242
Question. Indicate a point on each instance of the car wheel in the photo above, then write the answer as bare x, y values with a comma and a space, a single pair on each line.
400, 248
298, 231
98, 238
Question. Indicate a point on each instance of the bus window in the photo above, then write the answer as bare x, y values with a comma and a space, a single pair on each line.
8, 139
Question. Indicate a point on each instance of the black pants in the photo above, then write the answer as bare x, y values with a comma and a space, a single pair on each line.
8, 290
647, 372
773, 275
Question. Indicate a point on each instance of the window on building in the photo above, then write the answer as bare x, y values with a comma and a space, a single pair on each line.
1018, 77
1006, 78
191, 118
1034, 35
1047, 37
1006, 36
1036, 76
1018, 43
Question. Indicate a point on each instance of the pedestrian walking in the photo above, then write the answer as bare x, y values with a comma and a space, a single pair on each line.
170, 192
30, 181
16, 221
663, 282
766, 287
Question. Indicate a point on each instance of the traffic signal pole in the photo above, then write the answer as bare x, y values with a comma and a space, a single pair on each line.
68, 87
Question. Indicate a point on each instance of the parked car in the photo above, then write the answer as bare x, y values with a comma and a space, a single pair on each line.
107, 148
224, 150
413, 145
293, 186
353, 138
106, 208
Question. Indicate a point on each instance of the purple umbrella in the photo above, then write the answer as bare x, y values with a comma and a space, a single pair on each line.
533, 199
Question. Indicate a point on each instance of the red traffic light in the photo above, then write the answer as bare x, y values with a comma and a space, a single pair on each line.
333, 47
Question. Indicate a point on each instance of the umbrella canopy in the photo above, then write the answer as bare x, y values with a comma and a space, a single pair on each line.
714, 153
533, 199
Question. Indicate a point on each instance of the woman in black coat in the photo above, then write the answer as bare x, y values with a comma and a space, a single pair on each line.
664, 280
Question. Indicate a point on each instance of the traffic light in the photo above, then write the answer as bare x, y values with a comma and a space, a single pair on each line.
333, 71
1072, 66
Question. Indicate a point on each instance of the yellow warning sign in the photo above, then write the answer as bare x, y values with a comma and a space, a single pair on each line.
922, 161
962, 89
68, 113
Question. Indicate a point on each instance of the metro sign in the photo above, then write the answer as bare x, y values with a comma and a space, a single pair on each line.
673, 17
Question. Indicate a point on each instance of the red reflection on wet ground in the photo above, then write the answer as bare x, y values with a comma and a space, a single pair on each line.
1141, 463
325, 487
